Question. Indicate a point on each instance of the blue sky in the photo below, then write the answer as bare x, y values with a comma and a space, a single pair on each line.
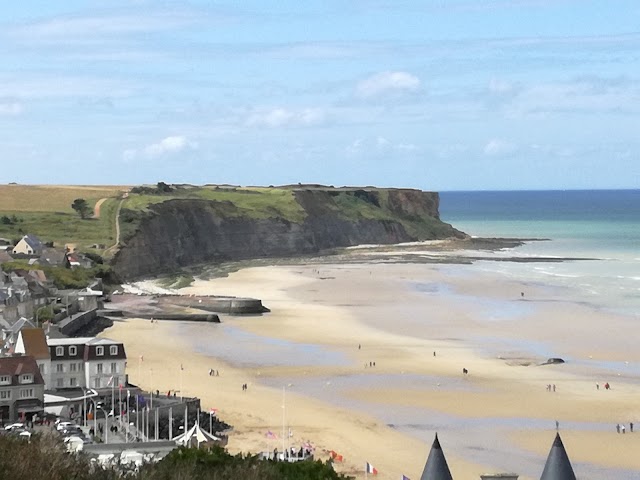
431, 94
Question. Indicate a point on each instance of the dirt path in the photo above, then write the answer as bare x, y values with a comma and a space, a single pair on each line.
96, 209
115, 245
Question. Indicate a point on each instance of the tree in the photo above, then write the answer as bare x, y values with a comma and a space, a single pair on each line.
81, 206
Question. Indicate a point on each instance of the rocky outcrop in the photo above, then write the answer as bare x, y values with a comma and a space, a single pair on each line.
184, 232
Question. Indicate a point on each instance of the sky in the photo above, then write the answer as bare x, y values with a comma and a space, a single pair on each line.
431, 94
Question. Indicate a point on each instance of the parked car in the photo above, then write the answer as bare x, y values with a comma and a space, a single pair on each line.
60, 426
15, 426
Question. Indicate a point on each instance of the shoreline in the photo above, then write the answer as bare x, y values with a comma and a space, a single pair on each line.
336, 316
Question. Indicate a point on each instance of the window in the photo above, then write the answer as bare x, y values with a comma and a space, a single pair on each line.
114, 368
5, 395
59, 351
60, 382
41, 367
72, 367
26, 393
5, 380
72, 382
26, 378
59, 368
99, 351
99, 368
113, 349
73, 350
96, 383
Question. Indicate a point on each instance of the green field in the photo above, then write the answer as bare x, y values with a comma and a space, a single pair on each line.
253, 202
46, 212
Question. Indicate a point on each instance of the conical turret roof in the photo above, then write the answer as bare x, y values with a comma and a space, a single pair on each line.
436, 467
558, 466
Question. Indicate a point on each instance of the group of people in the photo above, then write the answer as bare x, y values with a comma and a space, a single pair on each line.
245, 387
606, 386
371, 364
551, 387
214, 373
620, 428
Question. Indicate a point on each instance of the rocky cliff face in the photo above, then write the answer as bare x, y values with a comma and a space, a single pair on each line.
179, 233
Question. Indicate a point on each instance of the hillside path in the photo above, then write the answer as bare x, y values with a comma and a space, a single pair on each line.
96, 209
115, 245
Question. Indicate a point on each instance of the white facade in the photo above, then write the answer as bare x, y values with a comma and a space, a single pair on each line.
87, 362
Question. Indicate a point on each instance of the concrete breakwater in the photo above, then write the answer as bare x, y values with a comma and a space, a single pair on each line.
227, 305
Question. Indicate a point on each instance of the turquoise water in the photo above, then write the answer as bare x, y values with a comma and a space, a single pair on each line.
599, 224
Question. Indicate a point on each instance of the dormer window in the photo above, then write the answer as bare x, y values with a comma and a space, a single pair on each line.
59, 351
113, 349
100, 351
26, 378
73, 350
5, 380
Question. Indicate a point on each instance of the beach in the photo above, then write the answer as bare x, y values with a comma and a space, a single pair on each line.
421, 325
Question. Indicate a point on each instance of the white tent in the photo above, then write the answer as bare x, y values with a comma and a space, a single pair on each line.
195, 436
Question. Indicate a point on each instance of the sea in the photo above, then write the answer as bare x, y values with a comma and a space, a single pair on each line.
600, 225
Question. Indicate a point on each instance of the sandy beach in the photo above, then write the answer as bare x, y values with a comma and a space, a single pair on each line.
421, 325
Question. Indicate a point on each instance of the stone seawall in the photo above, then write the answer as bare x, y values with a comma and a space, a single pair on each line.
227, 305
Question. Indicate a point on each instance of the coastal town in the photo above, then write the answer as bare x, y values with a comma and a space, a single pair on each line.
56, 375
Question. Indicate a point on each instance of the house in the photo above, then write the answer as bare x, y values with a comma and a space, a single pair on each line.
32, 342
52, 256
105, 363
21, 388
77, 260
29, 245
87, 362
67, 362
10, 333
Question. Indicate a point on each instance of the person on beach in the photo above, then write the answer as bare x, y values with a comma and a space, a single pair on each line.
597, 386
554, 387
631, 427
557, 425
618, 427
623, 428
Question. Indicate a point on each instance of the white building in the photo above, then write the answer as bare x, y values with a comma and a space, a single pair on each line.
87, 362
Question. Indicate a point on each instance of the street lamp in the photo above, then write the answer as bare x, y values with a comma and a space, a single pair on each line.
106, 421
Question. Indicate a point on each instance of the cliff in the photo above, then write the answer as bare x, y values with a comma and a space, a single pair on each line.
180, 232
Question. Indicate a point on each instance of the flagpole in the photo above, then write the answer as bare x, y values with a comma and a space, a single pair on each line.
170, 423
283, 420
181, 396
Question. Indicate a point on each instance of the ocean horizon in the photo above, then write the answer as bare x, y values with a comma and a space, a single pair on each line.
600, 225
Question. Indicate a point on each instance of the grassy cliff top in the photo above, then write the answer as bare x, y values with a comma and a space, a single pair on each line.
46, 210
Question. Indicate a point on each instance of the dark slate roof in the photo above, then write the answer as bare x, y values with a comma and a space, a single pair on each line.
16, 366
436, 467
558, 466
33, 241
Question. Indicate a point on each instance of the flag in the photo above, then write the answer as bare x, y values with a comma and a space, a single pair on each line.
110, 381
370, 469
213, 411
336, 456
271, 435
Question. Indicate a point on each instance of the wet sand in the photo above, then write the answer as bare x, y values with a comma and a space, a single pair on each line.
499, 417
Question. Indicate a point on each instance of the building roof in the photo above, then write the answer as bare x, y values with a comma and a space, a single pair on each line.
35, 343
19, 365
55, 342
33, 241
20, 324
436, 467
558, 466
102, 341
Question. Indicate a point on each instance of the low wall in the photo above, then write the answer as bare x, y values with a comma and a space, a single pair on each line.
188, 317
228, 305
72, 324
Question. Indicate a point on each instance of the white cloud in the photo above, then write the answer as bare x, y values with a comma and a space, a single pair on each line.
166, 146
282, 117
11, 108
379, 146
497, 147
387, 82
